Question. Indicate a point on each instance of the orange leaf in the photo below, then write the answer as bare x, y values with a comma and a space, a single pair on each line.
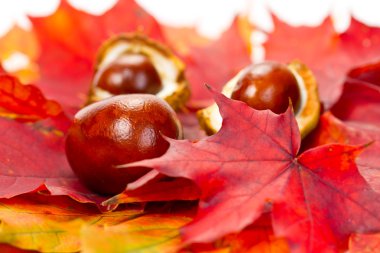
183, 39
365, 243
24, 102
256, 238
18, 40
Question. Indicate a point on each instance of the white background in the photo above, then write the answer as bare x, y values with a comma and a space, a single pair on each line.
210, 17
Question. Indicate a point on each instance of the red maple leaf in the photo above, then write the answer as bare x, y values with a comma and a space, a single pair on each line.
332, 130
330, 55
32, 145
355, 120
33, 159
360, 100
369, 73
214, 62
318, 197
190, 124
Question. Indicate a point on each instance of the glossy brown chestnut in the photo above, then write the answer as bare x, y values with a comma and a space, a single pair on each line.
119, 130
130, 73
268, 85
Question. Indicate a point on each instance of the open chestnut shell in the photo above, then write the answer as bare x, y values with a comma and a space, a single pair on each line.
133, 63
115, 131
269, 85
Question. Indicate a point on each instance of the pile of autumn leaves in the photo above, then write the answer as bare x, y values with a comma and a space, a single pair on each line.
254, 186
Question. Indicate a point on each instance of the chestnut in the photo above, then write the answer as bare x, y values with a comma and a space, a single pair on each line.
115, 131
268, 85
130, 73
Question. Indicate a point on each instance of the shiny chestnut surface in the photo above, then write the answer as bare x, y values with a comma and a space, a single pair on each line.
268, 85
115, 131
130, 73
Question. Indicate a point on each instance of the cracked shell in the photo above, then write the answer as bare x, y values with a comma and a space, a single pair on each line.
170, 69
307, 114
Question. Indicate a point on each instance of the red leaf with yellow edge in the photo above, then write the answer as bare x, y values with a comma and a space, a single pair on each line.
318, 197
70, 39
53, 224
24, 102
330, 55
364, 243
214, 62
